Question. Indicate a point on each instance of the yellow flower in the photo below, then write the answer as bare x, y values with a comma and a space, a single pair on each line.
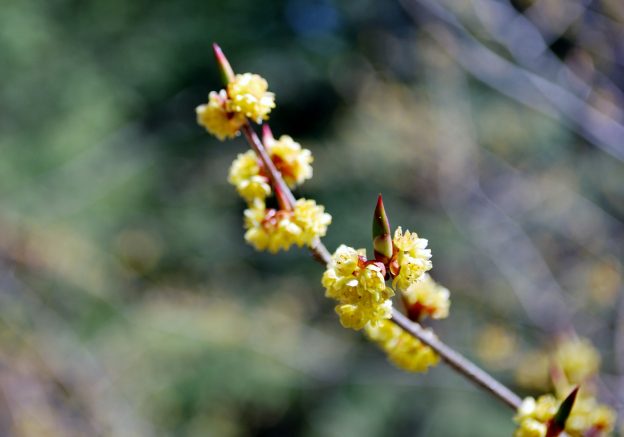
216, 118
249, 96
533, 415
586, 416
291, 160
359, 287
533, 370
250, 179
412, 258
311, 219
531, 428
245, 176
403, 350
357, 316
426, 298
577, 358
496, 346
273, 230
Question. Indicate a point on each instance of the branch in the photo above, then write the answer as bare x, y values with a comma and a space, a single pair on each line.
451, 357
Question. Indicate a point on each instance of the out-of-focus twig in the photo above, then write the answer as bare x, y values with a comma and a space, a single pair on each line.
519, 83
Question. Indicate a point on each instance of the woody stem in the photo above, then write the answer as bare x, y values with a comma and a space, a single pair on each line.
275, 177
457, 361
454, 359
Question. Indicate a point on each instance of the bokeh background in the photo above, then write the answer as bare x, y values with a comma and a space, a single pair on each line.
130, 304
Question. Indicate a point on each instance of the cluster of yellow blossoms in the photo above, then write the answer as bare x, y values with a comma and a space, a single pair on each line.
573, 361
410, 259
359, 287
278, 229
250, 179
403, 350
426, 298
274, 230
587, 418
246, 96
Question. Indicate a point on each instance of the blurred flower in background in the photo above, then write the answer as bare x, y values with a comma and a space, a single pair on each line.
130, 303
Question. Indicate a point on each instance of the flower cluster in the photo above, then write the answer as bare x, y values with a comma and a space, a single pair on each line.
274, 230
249, 176
246, 96
217, 117
360, 288
245, 176
577, 359
422, 298
410, 259
586, 418
300, 222
278, 229
426, 298
403, 350
249, 95
571, 361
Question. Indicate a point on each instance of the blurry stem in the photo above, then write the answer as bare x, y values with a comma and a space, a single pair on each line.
451, 357
457, 361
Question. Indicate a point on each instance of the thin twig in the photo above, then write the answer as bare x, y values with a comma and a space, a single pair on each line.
275, 177
457, 361
451, 357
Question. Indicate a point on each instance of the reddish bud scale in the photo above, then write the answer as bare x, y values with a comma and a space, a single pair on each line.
393, 264
282, 166
272, 217
415, 311
225, 69
363, 262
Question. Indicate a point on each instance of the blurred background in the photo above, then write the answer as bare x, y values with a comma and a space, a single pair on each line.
130, 304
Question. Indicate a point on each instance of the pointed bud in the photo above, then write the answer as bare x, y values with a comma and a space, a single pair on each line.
557, 423
267, 135
382, 240
227, 74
